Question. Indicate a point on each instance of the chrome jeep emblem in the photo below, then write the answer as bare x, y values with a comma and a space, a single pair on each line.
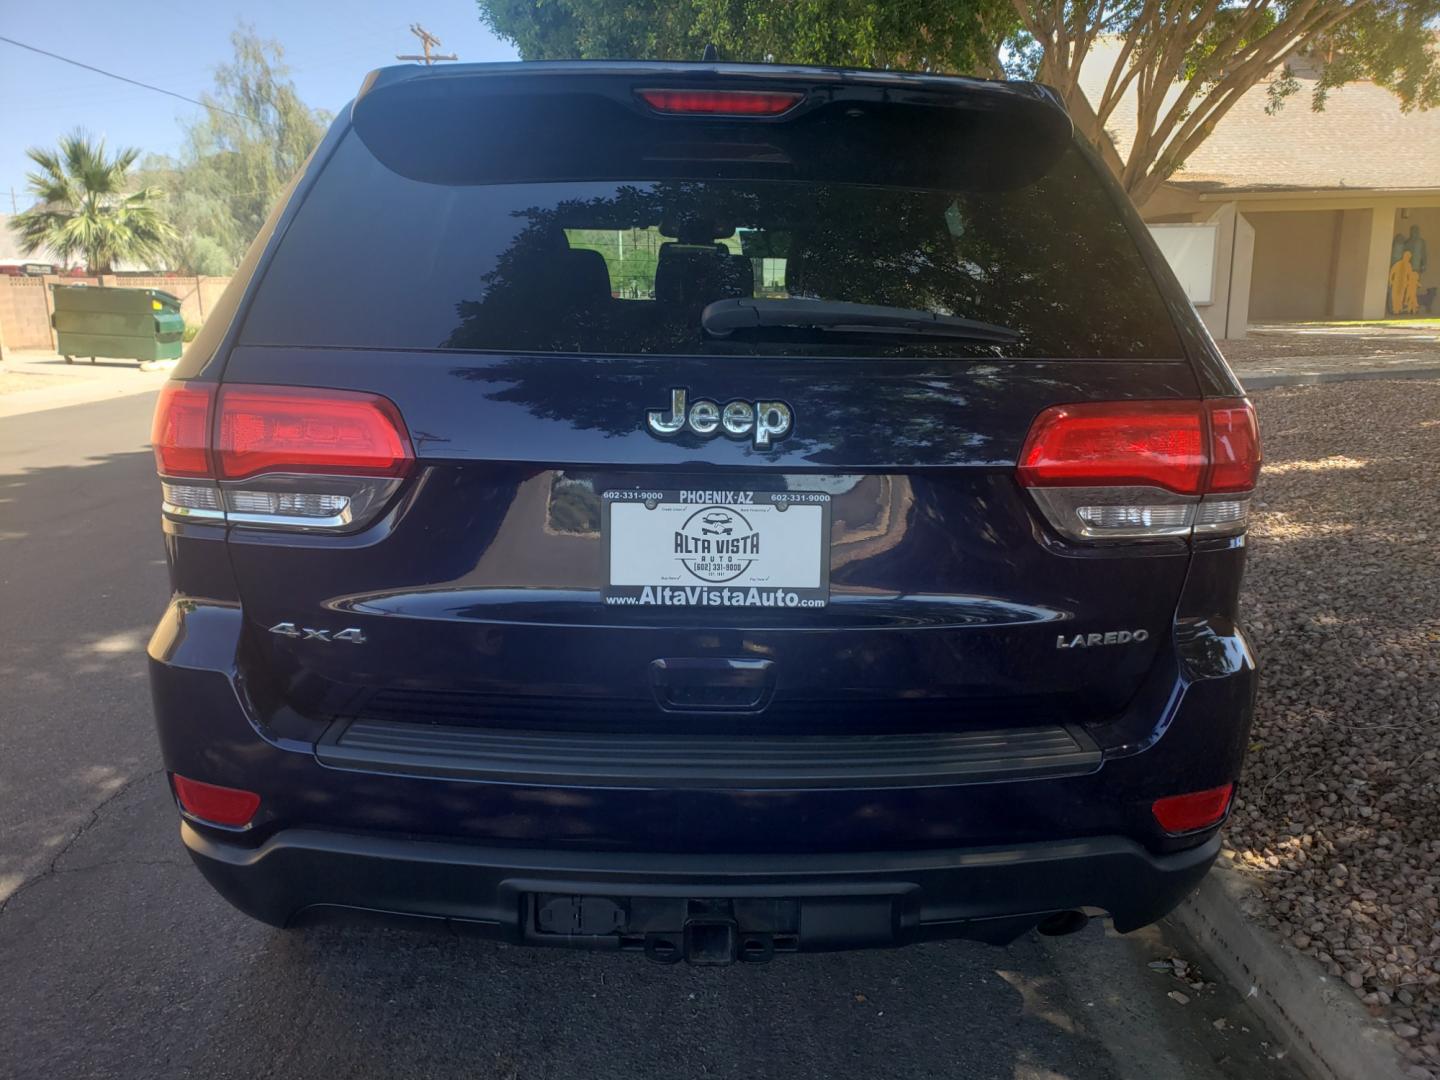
761, 421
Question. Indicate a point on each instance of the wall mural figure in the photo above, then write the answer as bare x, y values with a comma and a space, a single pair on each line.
1419, 253
1410, 257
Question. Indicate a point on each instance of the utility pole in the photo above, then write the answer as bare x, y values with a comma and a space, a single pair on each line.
427, 42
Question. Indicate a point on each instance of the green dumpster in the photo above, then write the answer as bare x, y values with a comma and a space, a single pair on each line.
142, 324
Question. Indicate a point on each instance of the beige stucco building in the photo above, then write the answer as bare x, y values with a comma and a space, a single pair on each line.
1305, 206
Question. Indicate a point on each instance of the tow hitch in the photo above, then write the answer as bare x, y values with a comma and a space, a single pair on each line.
669, 930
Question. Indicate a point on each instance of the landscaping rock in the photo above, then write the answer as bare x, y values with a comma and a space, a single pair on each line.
1338, 818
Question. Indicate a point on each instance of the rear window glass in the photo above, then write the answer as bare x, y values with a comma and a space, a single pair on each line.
374, 259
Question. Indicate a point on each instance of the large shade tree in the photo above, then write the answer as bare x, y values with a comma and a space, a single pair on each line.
1186, 64
918, 35
238, 157
87, 209
1183, 63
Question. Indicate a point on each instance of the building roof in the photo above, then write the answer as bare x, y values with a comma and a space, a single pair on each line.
1360, 141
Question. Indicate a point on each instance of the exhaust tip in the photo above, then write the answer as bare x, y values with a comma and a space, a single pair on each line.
1063, 922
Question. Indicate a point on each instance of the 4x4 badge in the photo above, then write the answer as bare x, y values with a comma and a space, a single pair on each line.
352, 635
763, 421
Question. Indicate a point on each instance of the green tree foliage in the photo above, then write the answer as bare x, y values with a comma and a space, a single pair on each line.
994, 256
87, 207
1392, 43
919, 35
1185, 63
238, 158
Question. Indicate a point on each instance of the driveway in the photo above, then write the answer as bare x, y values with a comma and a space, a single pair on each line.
118, 961
1287, 353
31, 380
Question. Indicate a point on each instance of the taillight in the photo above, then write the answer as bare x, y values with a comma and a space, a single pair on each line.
1158, 443
1234, 447
231, 807
721, 102
180, 433
331, 432
1140, 470
1193, 810
278, 457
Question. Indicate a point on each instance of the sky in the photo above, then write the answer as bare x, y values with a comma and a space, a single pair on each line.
329, 46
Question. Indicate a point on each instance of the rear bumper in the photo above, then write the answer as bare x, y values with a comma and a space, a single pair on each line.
825, 901
839, 860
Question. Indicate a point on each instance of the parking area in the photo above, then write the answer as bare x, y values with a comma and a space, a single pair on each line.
1339, 818
31, 380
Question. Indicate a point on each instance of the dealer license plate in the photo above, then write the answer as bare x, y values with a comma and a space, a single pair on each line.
737, 549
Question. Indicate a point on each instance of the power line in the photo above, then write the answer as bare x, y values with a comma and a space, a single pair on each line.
122, 78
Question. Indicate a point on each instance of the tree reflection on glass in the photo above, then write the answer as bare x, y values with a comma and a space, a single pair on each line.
1052, 261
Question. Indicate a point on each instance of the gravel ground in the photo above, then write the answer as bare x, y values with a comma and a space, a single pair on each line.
1340, 815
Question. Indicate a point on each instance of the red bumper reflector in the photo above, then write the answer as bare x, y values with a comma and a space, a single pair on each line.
721, 102
1197, 810
211, 802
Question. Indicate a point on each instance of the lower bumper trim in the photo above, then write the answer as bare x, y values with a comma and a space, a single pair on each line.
840, 900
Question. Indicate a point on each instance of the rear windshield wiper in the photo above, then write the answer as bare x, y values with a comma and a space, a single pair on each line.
749, 317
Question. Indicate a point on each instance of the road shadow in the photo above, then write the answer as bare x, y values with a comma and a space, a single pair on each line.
82, 582
952, 1009
131, 966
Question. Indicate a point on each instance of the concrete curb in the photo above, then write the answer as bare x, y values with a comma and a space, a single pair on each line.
1317, 378
1325, 1026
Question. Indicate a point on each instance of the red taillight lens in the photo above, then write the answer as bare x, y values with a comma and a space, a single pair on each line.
295, 430
721, 102
211, 802
1196, 810
1234, 446
1111, 444
180, 432
1189, 447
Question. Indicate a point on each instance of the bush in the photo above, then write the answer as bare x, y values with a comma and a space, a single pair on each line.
191, 329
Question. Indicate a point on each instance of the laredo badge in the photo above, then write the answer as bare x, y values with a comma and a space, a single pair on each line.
1110, 637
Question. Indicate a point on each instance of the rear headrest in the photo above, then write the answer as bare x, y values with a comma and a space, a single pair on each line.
695, 274
582, 277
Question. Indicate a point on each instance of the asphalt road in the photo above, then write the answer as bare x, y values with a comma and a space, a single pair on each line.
116, 960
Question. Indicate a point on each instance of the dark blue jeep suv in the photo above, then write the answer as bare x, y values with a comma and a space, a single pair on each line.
707, 510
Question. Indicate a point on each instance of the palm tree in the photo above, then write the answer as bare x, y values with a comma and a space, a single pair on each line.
85, 210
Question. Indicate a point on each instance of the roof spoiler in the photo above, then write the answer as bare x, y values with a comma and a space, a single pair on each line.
489, 123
